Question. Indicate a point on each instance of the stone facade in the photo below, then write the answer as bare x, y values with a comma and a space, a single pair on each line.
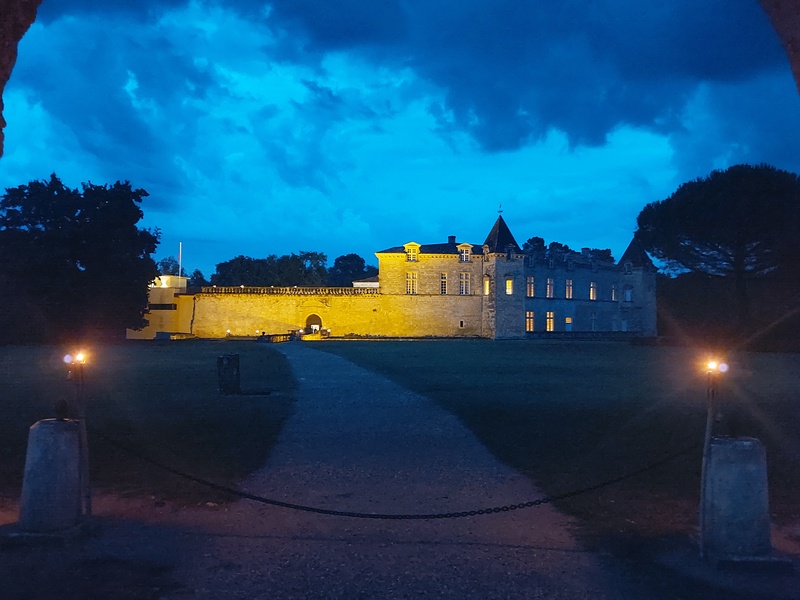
453, 289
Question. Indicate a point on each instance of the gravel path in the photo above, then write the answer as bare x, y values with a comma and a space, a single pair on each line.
359, 442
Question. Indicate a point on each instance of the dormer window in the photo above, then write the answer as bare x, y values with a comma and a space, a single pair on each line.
464, 254
412, 252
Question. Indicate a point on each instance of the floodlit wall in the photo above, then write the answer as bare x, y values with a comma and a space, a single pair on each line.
169, 309
393, 269
378, 315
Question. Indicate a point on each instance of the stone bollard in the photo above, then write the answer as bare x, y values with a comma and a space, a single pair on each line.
734, 507
51, 482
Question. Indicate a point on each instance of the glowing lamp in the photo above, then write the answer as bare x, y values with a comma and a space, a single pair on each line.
717, 367
78, 358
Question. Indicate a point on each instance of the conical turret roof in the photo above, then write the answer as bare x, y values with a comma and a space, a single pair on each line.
500, 237
636, 255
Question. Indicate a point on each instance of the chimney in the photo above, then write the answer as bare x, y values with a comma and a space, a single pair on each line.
451, 239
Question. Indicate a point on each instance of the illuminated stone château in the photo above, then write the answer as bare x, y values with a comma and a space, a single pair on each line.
450, 289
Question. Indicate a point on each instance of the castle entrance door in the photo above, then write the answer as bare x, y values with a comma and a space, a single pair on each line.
313, 324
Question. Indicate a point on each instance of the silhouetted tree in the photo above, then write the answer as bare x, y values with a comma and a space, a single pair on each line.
603, 254
76, 257
197, 279
558, 247
170, 266
303, 269
534, 244
243, 270
739, 223
349, 268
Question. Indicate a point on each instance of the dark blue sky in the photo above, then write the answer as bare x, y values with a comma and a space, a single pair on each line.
355, 125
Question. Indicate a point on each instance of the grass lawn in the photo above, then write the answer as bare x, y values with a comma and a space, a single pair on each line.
159, 398
571, 414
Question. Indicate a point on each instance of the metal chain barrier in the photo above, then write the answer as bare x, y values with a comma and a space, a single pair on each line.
389, 516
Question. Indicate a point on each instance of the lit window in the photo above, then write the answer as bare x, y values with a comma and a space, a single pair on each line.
530, 287
568, 320
412, 254
593, 290
509, 287
551, 321
443, 284
613, 293
529, 320
411, 282
550, 290
487, 285
463, 254
463, 284
568, 294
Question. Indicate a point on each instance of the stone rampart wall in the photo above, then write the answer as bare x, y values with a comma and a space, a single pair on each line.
242, 314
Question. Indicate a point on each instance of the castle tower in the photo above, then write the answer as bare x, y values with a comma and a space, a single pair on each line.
504, 283
637, 290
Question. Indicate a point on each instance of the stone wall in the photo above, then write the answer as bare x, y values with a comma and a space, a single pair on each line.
509, 314
392, 269
378, 315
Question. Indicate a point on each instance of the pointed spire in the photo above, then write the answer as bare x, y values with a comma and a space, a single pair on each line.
636, 255
500, 237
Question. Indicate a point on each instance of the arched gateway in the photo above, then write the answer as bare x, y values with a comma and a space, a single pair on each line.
313, 324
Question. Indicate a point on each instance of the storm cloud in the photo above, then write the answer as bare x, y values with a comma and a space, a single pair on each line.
331, 124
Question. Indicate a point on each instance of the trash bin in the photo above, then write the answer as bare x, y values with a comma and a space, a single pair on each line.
228, 374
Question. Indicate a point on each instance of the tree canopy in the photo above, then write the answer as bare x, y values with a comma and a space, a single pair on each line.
74, 261
349, 268
302, 269
170, 265
739, 223
536, 245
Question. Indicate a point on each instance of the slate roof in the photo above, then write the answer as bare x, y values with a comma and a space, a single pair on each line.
498, 240
446, 248
636, 255
500, 237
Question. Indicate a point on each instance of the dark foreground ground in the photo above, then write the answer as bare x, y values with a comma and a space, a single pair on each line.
359, 442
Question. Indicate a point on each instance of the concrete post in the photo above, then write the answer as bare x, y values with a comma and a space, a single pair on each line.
51, 482
734, 508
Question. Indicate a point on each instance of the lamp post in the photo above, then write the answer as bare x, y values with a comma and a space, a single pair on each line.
76, 365
714, 368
